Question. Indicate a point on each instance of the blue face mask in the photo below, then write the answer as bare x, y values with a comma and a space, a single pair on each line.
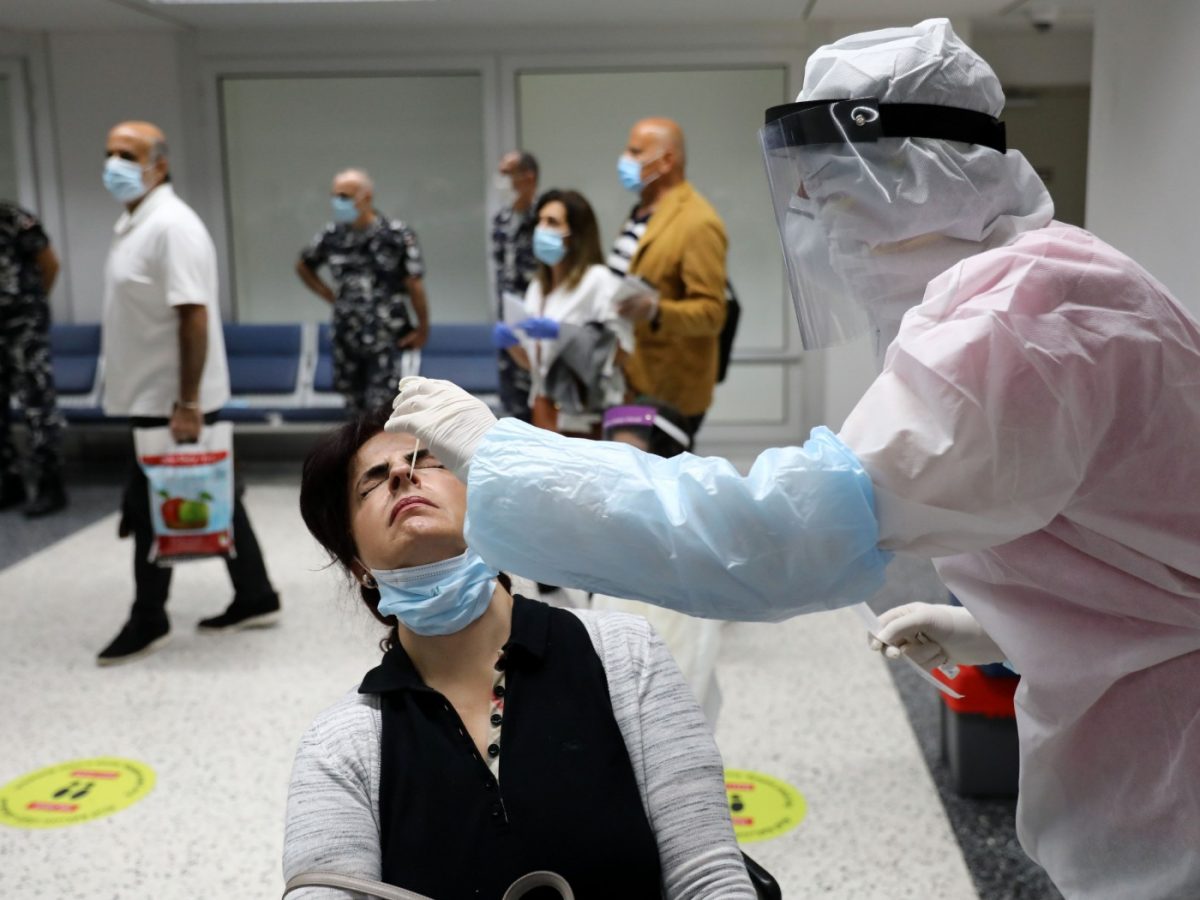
439, 598
549, 246
629, 170
344, 210
123, 179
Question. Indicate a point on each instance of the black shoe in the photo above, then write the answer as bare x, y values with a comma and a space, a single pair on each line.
260, 613
140, 636
50, 498
12, 490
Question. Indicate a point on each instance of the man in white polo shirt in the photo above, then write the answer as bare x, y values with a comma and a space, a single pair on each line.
164, 362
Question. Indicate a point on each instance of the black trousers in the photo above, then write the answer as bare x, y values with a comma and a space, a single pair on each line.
514, 387
152, 582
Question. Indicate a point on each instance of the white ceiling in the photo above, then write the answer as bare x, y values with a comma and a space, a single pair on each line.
86, 15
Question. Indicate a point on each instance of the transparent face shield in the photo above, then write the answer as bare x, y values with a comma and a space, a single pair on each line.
836, 169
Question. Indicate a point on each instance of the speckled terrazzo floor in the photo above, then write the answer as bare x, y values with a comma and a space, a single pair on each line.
218, 718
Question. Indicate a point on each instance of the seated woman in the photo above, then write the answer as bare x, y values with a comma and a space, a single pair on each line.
573, 340
498, 735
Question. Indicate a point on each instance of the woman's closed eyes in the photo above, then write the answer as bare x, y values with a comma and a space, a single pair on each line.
379, 474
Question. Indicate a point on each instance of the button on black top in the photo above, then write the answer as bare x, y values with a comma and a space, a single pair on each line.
501, 663
493, 750
499, 690
497, 719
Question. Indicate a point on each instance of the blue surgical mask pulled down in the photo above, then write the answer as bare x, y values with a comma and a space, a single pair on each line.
549, 246
439, 598
123, 179
344, 209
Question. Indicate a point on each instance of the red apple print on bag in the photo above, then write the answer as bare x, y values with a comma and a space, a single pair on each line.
181, 514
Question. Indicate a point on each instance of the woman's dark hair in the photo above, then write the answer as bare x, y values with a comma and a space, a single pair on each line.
583, 246
325, 499
659, 442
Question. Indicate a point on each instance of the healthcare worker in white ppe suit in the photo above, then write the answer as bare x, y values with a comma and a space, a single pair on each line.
1035, 429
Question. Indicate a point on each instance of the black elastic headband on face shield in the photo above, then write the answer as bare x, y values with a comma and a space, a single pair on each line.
867, 120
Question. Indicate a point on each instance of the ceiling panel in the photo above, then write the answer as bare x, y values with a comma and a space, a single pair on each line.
77, 15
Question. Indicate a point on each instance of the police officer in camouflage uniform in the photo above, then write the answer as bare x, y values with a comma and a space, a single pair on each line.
512, 254
28, 267
377, 269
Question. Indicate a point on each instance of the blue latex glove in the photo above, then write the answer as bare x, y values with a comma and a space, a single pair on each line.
503, 336
540, 327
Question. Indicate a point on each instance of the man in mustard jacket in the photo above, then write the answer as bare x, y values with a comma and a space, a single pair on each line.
674, 240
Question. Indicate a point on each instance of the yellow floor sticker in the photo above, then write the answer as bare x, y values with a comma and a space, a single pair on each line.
74, 792
762, 807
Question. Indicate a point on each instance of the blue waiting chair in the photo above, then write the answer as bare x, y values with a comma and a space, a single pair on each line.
264, 370
463, 354
77, 370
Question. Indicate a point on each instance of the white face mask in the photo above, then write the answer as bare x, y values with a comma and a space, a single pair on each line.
504, 190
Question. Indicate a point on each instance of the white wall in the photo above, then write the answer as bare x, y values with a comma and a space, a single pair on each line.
1142, 187
99, 80
1058, 58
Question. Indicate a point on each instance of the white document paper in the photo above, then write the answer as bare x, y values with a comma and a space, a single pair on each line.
514, 309
633, 286
874, 626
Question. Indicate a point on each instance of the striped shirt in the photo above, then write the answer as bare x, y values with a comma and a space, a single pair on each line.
626, 244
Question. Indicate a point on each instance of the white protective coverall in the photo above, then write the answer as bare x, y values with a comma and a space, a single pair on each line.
1035, 430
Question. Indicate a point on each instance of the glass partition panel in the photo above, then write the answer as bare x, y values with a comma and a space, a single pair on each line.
419, 137
8, 142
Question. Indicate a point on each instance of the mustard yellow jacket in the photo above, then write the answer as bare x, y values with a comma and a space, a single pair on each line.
682, 254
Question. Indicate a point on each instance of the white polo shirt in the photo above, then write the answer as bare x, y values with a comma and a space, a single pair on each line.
161, 257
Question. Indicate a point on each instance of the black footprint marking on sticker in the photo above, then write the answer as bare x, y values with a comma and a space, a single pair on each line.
74, 789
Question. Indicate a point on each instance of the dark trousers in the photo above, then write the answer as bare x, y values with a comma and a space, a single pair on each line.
366, 372
152, 582
514, 387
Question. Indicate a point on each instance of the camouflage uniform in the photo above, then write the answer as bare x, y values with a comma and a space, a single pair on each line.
512, 254
370, 269
25, 368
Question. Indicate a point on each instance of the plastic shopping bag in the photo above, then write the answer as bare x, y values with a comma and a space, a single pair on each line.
191, 492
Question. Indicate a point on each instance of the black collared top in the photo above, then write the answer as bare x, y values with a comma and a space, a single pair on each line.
567, 800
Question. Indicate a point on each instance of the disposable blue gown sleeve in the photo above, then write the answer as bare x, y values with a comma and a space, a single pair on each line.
797, 534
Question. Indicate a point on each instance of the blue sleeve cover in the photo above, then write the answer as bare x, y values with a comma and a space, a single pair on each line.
798, 534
